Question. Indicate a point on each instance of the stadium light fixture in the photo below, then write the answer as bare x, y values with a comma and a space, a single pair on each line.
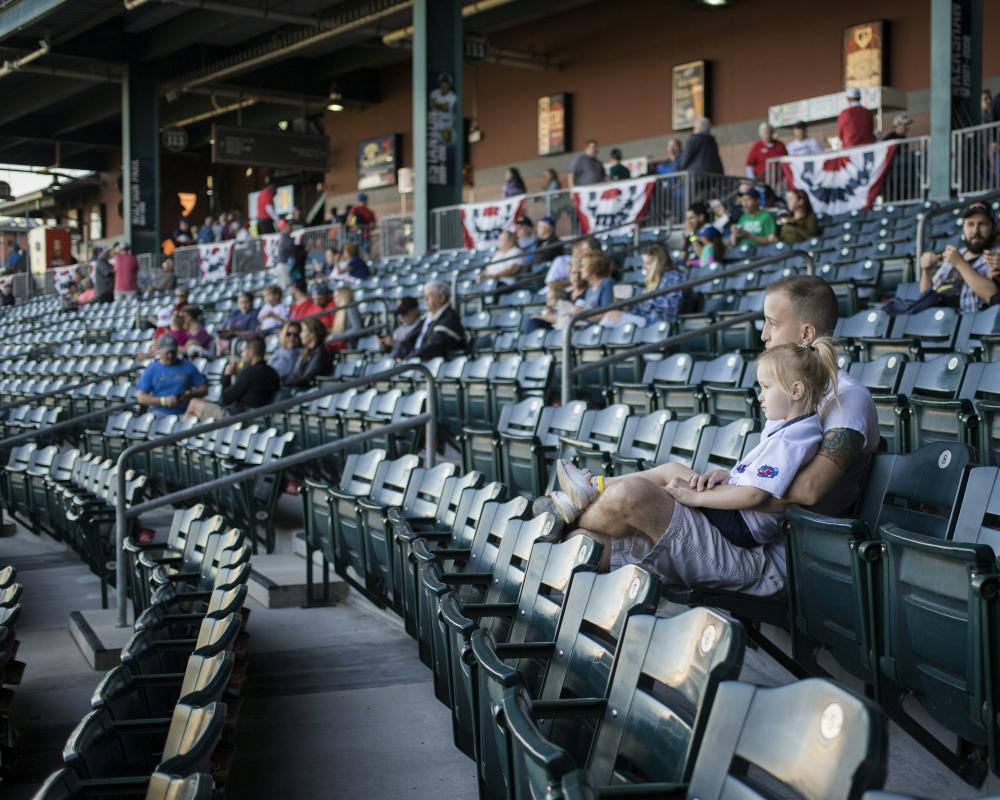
716, 3
336, 101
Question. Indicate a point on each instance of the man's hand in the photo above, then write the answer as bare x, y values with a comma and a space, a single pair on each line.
170, 401
709, 480
992, 259
952, 255
929, 261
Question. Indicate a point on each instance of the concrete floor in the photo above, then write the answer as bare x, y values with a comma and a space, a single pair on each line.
337, 704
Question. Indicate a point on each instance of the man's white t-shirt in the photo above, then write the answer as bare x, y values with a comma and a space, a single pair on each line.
807, 147
784, 447
505, 261
269, 323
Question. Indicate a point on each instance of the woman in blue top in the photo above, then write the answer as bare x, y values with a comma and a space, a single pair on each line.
596, 270
659, 272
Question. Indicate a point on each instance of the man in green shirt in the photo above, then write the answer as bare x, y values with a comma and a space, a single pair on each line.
618, 171
756, 226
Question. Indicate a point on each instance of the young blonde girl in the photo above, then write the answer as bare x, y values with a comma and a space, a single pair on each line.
795, 383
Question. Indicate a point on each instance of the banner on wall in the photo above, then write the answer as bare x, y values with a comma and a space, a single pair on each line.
214, 258
482, 223
270, 242
846, 181
617, 206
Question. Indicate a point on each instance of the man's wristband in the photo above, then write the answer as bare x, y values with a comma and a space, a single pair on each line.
163, 401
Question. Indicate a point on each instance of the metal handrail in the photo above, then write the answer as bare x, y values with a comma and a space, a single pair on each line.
567, 353
940, 211
128, 453
670, 341
356, 303
64, 389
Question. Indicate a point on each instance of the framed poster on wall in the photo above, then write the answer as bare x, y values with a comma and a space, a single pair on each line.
553, 124
689, 93
865, 55
378, 161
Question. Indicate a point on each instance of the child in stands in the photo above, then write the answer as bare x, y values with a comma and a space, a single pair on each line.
797, 384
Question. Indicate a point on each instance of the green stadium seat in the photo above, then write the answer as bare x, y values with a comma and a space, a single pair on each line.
67, 785
599, 436
932, 409
882, 377
357, 481
639, 444
645, 396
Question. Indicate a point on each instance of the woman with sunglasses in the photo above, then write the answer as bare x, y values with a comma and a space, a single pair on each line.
289, 348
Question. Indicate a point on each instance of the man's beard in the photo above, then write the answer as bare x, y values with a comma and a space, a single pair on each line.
980, 244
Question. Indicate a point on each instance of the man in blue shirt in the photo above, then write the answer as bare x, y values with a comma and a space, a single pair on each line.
168, 383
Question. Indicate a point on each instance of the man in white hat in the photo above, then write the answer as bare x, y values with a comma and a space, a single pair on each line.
855, 125
900, 128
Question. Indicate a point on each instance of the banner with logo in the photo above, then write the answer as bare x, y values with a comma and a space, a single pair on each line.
606, 206
848, 180
214, 258
482, 223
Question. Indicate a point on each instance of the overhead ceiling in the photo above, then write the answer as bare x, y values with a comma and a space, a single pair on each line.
64, 107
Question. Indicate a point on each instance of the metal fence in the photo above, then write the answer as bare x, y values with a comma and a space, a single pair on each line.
671, 196
975, 159
395, 236
906, 180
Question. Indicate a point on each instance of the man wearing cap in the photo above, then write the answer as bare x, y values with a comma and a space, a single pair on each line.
756, 226
408, 314
126, 273
802, 144
764, 148
524, 227
901, 179
168, 383
547, 246
855, 125
900, 128
968, 280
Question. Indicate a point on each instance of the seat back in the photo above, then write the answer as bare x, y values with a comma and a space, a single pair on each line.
426, 489
722, 447
392, 479
681, 439
642, 435
491, 537
167, 787
192, 738
810, 739
359, 472
471, 508
604, 428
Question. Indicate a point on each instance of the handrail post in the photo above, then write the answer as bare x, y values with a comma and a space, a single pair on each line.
121, 513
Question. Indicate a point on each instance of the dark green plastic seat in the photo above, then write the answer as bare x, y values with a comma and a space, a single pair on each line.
882, 377
579, 661
481, 447
65, 784
525, 458
932, 331
533, 616
933, 409
469, 569
727, 389
643, 396
640, 441
985, 397
649, 727
721, 447
830, 579
357, 481
449, 389
599, 436
681, 439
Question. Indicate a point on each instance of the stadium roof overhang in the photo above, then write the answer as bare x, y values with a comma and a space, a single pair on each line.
63, 63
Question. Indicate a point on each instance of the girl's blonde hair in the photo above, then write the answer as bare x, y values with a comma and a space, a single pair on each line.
812, 365
661, 263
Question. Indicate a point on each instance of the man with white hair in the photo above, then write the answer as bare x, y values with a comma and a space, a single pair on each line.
701, 151
440, 333
764, 148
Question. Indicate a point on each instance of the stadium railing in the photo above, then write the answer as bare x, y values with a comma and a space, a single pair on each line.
124, 514
906, 180
975, 159
569, 372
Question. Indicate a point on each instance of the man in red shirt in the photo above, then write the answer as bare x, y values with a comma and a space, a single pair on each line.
305, 306
265, 209
361, 221
764, 148
126, 273
855, 125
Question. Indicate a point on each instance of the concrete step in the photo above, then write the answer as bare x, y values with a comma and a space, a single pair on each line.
99, 639
279, 581
299, 549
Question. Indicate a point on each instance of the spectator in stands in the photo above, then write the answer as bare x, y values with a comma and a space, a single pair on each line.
547, 245
346, 319
168, 383
513, 183
274, 313
802, 144
764, 148
756, 226
586, 169
301, 301
440, 333
243, 322
360, 220
322, 300
638, 514
247, 382
408, 316
558, 274
855, 124
353, 265
199, 340
524, 229
672, 162
7, 294
618, 171
166, 280
596, 271
719, 215
285, 267
284, 358
695, 218
965, 279
659, 272
331, 258
104, 277
314, 359
709, 246
701, 152
900, 128
206, 234
800, 223
126, 268
16, 259
507, 261
552, 183
265, 213
181, 237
